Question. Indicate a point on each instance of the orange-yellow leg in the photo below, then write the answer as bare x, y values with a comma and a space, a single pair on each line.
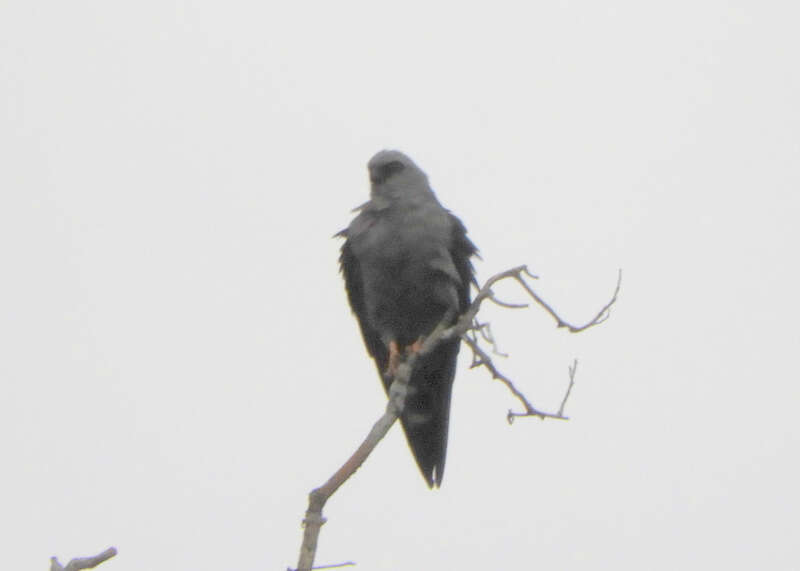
415, 346
394, 358
396, 354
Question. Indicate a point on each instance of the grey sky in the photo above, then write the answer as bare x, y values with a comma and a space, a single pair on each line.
179, 366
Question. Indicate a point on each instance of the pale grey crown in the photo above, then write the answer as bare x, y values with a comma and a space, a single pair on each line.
394, 176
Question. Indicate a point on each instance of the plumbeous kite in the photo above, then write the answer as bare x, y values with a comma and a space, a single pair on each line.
406, 264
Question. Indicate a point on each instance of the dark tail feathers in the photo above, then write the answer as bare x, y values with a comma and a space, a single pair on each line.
426, 415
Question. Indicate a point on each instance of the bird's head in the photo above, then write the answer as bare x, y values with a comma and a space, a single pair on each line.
395, 177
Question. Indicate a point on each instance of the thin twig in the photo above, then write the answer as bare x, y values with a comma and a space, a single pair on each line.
486, 361
601, 316
485, 331
572, 369
507, 304
334, 566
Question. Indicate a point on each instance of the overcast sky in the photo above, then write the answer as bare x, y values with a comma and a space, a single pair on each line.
178, 363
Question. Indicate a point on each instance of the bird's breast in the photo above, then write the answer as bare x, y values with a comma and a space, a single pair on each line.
405, 291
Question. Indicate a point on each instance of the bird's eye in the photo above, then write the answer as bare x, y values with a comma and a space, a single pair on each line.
393, 167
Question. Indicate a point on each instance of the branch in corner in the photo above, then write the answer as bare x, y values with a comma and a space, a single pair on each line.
83, 562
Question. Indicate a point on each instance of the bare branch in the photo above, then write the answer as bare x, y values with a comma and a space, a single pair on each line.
484, 360
335, 566
464, 325
572, 369
397, 397
601, 316
518, 274
481, 358
485, 329
507, 304
83, 562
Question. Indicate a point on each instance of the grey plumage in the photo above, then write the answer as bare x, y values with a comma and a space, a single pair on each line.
406, 264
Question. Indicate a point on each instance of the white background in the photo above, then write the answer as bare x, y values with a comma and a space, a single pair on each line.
179, 366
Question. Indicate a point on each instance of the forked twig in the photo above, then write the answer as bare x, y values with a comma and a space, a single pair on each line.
572, 369
481, 357
485, 361
601, 316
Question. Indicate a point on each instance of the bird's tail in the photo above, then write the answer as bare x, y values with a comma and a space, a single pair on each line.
426, 414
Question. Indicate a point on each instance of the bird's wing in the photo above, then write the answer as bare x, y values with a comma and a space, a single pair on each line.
426, 417
461, 250
354, 285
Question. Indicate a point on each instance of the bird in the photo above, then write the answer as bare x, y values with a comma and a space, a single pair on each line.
406, 263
